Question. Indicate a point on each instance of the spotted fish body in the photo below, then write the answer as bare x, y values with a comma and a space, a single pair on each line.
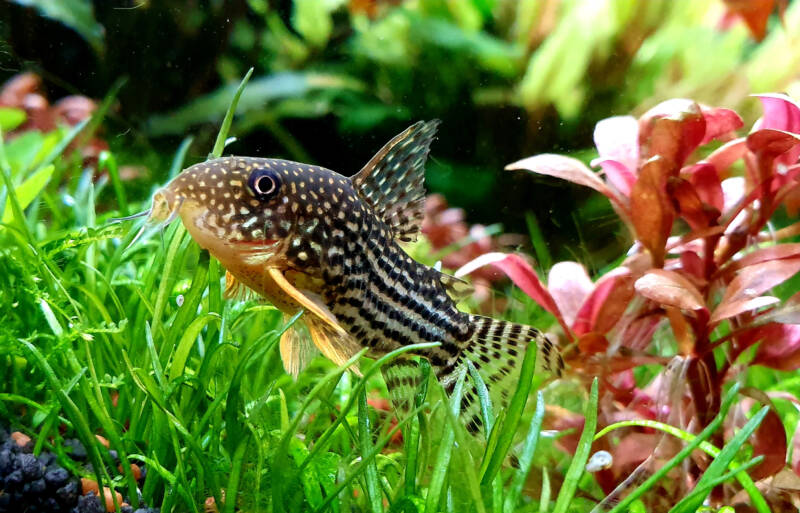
306, 237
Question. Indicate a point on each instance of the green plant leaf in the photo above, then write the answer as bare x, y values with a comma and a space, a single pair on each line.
446, 448
75, 14
374, 497
508, 425
526, 458
576, 468
222, 136
260, 95
11, 118
28, 190
723, 460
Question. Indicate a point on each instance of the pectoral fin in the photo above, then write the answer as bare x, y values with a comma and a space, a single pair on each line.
312, 306
326, 333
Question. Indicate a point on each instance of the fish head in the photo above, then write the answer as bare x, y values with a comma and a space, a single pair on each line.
238, 203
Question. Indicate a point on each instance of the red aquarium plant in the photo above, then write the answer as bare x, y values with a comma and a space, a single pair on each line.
25, 92
698, 201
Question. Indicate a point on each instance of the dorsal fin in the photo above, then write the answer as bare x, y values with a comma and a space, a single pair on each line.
392, 182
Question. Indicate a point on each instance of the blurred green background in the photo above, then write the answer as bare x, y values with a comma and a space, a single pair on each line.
335, 79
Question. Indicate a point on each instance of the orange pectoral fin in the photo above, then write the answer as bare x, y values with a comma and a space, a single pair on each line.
329, 337
311, 306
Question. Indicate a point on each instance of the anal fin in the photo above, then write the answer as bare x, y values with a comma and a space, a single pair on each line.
403, 377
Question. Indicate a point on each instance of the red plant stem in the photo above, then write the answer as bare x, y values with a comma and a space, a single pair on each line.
709, 248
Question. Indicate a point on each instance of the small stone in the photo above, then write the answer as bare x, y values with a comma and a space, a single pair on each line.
90, 503
50, 504
6, 461
38, 486
78, 450
20, 438
30, 466
14, 480
56, 477
47, 458
68, 493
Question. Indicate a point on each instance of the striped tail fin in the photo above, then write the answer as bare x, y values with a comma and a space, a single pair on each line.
497, 349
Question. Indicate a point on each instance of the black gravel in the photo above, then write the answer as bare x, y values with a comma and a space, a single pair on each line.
38, 484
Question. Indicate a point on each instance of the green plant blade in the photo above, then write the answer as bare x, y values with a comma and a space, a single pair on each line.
446, 448
222, 136
526, 458
508, 427
576, 468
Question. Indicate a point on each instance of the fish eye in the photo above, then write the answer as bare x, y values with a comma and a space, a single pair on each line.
264, 183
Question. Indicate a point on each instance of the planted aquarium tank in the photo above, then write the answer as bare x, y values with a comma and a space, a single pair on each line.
402, 256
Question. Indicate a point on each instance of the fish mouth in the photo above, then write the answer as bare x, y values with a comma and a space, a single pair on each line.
164, 209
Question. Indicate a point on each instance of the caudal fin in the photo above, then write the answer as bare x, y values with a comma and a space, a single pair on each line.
497, 349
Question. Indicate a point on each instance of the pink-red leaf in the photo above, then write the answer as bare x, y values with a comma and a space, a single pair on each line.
780, 112
672, 129
617, 139
689, 205
608, 301
523, 276
719, 122
703, 176
723, 157
789, 312
692, 264
755, 14
772, 142
651, 211
777, 252
669, 288
754, 280
729, 309
639, 332
592, 343
780, 346
569, 284
617, 174
769, 440
566, 168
